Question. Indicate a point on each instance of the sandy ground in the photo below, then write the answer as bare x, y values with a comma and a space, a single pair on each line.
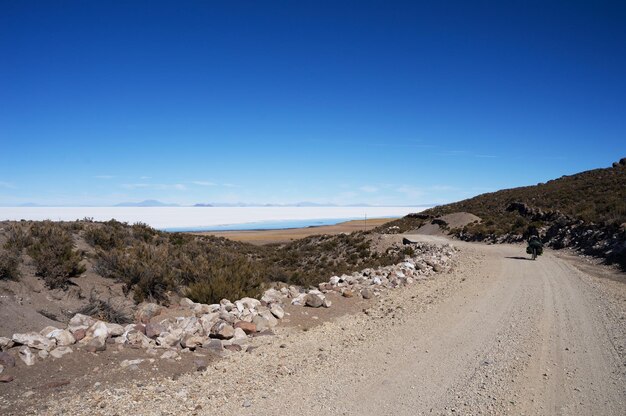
500, 334
261, 237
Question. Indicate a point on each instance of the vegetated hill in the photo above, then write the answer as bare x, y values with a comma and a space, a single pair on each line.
152, 264
586, 211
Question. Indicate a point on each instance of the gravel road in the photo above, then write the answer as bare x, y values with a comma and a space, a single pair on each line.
500, 334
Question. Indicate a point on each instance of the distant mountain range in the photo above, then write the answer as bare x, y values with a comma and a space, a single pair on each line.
297, 204
146, 203
156, 203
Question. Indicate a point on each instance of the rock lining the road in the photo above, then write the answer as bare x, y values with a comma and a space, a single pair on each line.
227, 325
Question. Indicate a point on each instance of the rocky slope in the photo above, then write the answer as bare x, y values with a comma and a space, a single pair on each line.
585, 211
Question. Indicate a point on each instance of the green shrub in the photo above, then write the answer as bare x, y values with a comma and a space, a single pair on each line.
18, 237
143, 232
9, 265
54, 254
232, 281
142, 268
107, 235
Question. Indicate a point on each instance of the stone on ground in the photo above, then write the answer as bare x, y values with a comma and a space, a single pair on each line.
26, 355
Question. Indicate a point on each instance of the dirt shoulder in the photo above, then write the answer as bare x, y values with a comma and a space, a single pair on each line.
261, 237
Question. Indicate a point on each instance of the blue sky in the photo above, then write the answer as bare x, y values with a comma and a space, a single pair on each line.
379, 102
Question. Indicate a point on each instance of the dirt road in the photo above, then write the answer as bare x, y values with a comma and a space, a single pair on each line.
521, 337
499, 335
526, 338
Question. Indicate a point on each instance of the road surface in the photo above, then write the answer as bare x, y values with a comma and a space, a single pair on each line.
519, 337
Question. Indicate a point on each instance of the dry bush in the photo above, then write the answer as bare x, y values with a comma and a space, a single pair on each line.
208, 269
142, 268
226, 279
314, 259
53, 251
150, 271
9, 265
18, 237
105, 310
107, 235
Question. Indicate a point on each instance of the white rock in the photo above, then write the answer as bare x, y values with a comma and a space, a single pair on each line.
228, 317
47, 330
190, 325
248, 316
293, 292
115, 330
240, 334
314, 299
168, 340
240, 307
222, 330
170, 355
26, 355
122, 339
272, 296
250, 303
34, 340
277, 311
5, 343
299, 300
208, 320
334, 280
192, 341
271, 320
138, 338
43, 354
261, 323
186, 303
63, 337
80, 321
97, 330
131, 327
326, 303
60, 352
1, 368
127, 363
201, 309
95, 344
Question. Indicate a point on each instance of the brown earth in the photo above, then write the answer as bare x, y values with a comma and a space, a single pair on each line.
261, 237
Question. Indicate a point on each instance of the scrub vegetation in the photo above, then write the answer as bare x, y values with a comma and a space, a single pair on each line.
151, 263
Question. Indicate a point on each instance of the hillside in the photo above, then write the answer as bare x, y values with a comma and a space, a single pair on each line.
586, 211
104, 268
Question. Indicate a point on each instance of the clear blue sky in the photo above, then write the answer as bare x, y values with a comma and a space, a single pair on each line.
329, 101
